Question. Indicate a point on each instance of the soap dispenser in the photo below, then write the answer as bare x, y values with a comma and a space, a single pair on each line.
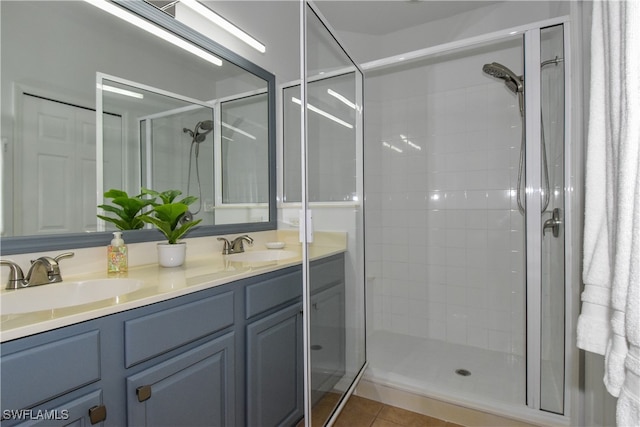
117, 261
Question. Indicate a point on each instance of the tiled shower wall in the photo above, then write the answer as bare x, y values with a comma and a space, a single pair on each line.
445, 240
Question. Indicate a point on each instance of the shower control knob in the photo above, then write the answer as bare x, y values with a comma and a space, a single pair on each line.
553, 223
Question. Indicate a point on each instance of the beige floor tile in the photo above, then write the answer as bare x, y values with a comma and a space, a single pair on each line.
364, 405
408, 418
361, 412
354, 418
379, 422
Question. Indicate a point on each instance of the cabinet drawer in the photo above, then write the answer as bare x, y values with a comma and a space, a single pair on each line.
43, 372
272, 292
157, 333
326, 272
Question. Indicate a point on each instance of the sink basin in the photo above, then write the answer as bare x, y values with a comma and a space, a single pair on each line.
64, 294
262, 256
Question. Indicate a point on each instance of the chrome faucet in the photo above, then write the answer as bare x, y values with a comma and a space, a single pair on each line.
236, 246
43, 271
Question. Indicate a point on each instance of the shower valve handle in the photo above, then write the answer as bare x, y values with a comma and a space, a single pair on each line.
553, 223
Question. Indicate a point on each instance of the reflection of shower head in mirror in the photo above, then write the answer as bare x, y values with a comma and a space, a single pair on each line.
199, 133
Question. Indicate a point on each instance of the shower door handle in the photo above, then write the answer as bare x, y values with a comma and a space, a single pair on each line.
553, 223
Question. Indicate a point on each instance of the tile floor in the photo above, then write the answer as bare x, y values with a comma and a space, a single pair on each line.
361, 412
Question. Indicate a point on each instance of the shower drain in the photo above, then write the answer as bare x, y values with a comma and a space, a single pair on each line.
463, 372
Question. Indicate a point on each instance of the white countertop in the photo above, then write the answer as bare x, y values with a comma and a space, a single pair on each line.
159, 284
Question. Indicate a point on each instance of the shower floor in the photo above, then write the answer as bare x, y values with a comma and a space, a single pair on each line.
428, 367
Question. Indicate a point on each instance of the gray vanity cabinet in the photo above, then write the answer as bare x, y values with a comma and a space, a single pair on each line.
274, 369
53, 379
274, 350
195, 388
229, 355
327, 340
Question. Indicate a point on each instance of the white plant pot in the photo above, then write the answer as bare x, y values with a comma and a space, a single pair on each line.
171, 255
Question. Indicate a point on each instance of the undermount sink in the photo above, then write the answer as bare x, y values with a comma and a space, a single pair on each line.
262, 256
65, 294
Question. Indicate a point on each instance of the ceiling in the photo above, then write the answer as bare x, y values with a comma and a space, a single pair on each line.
380, 17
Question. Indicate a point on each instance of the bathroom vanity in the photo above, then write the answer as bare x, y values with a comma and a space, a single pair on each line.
229, 354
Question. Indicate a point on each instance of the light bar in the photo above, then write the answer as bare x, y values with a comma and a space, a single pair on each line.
341, 98
393, 147
240, 131
155, 30
224, 24
120, 91
323, 113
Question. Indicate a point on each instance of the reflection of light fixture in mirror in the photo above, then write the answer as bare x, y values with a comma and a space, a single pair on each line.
341, 98
323, 113
119, 91
240, 131
153, 29
392, 147
224, 24
409, 143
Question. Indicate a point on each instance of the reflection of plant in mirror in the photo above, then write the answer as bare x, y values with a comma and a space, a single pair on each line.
166, 216
128, 211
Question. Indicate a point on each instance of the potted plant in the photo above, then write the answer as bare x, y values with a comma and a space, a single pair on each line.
126, 208
166, 217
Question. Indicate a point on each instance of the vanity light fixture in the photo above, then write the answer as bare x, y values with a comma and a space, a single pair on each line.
323, 113
209, 14
119, 91
153, 29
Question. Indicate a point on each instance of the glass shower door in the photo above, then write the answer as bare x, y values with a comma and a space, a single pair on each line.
333, 301
552, 357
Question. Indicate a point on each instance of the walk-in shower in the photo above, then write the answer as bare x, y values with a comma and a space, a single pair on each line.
452, 235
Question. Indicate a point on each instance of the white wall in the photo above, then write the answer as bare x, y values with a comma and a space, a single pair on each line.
444, 236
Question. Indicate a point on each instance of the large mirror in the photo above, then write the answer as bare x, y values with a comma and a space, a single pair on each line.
91, 102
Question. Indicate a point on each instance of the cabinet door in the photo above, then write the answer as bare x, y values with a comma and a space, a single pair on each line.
274, 369
74, 413
327, 339
195, 388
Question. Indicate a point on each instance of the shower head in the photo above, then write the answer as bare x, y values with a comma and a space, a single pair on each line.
202, 129
513, 82
199, 133
206, 125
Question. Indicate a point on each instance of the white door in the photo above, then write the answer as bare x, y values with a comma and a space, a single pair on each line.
56, 168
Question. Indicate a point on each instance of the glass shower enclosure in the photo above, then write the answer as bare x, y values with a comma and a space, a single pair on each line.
323, 180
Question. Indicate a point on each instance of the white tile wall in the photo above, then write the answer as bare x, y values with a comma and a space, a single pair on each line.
444, 236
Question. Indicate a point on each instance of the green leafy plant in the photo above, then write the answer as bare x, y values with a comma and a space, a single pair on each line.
166, 215
126, 208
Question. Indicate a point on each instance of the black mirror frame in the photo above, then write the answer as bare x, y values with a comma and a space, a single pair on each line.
29, 244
